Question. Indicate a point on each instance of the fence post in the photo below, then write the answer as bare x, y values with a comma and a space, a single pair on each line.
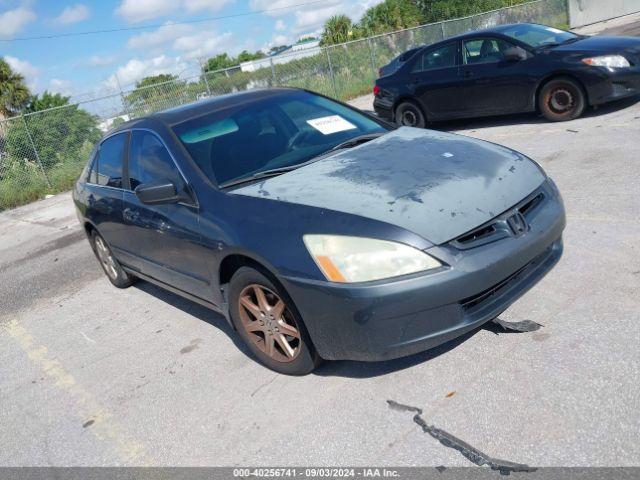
373, 60
35, 150
204, 75
333, 77
124, 102
273, 72
442, 29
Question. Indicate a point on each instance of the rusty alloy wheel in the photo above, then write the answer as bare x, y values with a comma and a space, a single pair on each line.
269, 323
561, 100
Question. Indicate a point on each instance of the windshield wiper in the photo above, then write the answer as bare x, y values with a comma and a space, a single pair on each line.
355, 141
565, 42
258, 175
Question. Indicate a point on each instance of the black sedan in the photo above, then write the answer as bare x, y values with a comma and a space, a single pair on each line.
509, 69
319, 231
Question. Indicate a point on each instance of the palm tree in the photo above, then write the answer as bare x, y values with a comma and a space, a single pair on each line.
14, 94
338, 29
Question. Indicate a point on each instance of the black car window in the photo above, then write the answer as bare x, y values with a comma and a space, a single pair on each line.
280, 130
150, 161
442, 57
538, 35
484, 50
109, 161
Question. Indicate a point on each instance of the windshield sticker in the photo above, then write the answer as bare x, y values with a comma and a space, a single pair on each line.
331, 124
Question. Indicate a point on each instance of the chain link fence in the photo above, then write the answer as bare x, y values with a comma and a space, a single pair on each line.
43, 152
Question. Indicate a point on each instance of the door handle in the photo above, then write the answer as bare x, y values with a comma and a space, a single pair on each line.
468, 74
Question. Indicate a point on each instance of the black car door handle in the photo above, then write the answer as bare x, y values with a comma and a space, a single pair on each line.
468, 74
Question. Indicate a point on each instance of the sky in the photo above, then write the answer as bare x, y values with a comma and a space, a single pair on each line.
83, 66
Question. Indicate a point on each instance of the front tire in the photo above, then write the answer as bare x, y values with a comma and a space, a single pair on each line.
268, 322
408, 114
561, 100
112, 268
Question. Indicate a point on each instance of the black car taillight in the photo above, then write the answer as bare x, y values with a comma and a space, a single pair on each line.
376, 90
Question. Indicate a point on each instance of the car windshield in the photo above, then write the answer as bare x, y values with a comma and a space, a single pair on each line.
280, 131
538, 35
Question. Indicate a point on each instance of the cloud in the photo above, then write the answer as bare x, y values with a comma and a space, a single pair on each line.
204, 44
187, 40
194, 6
101, 60
157, 38
135, 69
72, 14
63, 87
26, 69
13, 21
311, 18
134, 11
280, 25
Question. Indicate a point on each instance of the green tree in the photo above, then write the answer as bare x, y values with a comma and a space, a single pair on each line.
45, 101
155, 92
338, 29
14, 93
61, 136
219, 62
438, 10
246, 56
389, 16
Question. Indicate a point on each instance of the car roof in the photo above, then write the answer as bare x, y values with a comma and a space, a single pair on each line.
475, 33
179, 114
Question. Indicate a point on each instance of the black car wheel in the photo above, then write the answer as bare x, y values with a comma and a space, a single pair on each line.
410, 115
561, 99
269, 324
112, 268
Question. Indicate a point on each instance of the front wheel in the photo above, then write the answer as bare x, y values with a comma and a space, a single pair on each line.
269, 324
410, 115
112, 268
561, 99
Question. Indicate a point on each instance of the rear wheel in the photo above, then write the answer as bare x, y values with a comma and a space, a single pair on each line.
269, 324
112, 268
408, 114
561, 99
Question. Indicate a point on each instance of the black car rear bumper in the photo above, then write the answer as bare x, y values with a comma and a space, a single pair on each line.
385, 320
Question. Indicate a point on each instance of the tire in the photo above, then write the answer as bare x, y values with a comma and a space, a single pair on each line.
408, 114
561, 99
273, 331
110, 265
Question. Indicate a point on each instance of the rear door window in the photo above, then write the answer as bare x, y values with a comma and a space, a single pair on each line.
484, 50
442, 57
108, 163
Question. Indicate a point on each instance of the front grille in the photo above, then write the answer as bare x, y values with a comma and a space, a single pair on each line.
475, 300
498, 228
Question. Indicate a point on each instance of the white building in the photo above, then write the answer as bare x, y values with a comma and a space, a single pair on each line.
294, 52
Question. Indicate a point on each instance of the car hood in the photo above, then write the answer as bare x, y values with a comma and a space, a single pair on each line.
602, 44
437, 185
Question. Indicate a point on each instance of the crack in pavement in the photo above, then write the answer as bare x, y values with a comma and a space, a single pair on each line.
474, 455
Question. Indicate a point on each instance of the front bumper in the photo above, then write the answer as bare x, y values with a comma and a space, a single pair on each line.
391, 319
615, 84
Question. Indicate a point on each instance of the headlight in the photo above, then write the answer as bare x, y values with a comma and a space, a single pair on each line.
609, 61
355, 259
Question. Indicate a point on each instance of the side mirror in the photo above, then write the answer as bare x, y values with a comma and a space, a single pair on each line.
515, 54
157, 193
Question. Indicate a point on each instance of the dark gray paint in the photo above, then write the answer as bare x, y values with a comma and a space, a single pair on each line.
435, 184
